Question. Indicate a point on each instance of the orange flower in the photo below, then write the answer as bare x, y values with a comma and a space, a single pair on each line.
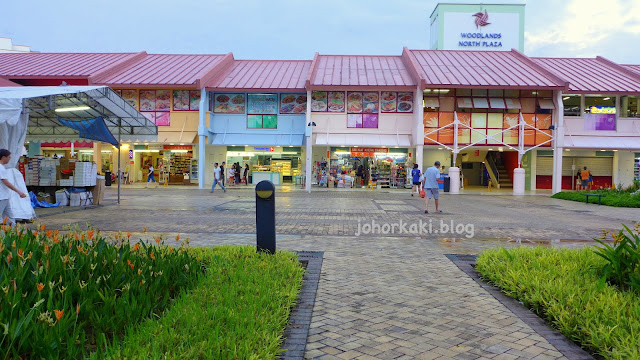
55, 239
145, 228
20, 253
9, 258
178, 237
90, 234
13, 244
158, 239
40, 287
35, 233
117, 236
152, 256
131, 265
49, 233
42, 227
139, 271
56, 232
77, 309
80, 249
4, 221
136, 247
128, 235
59, 314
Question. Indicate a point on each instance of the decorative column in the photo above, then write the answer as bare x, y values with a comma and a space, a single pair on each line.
454, 171
202, 139
309, 145
558, 143
419, 126
519, 173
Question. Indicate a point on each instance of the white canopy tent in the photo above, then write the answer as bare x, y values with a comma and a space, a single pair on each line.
29, 113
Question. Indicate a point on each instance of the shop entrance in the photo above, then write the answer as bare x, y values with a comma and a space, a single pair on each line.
386, 167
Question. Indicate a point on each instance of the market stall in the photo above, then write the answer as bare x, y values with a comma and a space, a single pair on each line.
68, 113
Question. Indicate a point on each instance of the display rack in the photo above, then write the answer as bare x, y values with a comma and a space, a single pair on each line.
636, 168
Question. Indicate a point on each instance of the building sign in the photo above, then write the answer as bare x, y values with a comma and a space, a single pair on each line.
178, 147
268, 148
602, 109
477, 27
130, 154
263, 104
603, 122
367, 151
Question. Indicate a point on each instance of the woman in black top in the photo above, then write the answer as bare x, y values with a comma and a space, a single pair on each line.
246, 174
238, 169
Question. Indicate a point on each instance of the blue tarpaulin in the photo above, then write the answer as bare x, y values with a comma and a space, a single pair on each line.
40, 204
93, 129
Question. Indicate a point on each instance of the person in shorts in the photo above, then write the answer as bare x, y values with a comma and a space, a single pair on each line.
430, 185
151, 177
6, 187
584, 177
415, 179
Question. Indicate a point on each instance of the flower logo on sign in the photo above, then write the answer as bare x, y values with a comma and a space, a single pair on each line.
481, 19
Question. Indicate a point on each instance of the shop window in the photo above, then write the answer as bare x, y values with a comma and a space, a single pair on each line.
229, 103
262, 111
262, 121
463, 92
571, 105
479, 92
512, 93
186, 100
496, 93
296, 103
528, 93
600, 104
447, 104
545, 106
629, 106
155, 105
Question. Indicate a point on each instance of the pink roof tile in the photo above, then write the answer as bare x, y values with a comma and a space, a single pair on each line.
593, 75
262, 74
357, 70
5, 82
25, 65
497, 69
163, 69
634, 68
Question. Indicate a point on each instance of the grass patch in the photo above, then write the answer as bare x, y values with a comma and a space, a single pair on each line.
629, 197
567, 288
238, 310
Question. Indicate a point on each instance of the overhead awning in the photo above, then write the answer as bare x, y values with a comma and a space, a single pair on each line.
362, 140
431, 102
40, 102
602, 142
497, 103
465, 103
546, 104
187, 137
256, 139
513, 103
480, 103
93, 129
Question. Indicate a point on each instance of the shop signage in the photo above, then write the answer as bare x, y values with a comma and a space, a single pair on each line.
367, 151
178, 147
155, 147
130, 154
270, 149
263, 104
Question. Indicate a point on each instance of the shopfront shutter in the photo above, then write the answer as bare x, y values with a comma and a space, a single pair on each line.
599, 166
544, 165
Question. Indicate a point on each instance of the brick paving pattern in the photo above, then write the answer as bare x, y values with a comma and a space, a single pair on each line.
379, 296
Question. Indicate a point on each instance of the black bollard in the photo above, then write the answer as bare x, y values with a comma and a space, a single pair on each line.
266, 216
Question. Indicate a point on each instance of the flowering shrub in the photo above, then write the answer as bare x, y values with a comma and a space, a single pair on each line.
65, 295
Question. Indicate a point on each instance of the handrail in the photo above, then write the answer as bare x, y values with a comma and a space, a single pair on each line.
494, 170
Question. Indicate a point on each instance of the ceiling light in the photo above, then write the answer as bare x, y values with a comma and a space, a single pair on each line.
439, 148
73, 108
615, 150
534, 93
490, 149
566, 98
602, 150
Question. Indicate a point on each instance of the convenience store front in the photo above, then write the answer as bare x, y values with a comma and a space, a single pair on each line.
387, 166
175, 163
278, 164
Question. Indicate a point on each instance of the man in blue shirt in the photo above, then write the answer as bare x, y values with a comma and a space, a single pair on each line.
431, 176
415, 178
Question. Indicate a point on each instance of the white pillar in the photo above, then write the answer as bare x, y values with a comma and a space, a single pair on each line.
309, 143
454, 175
420, 157
558, 143
518, 181
202, 139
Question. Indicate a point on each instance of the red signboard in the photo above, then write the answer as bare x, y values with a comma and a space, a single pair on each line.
367, 151
178, 147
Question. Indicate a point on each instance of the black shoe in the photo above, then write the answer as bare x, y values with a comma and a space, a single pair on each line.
426, 211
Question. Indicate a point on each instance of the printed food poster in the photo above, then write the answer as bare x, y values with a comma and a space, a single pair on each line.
293, 103
147, 100
262, 104
163, 119
405, 102
194, 100
354, 102
270, 121
370, 121
229, 103
389, 101
319, 101
180, 100
354, 120
163, 100
131, 96
336, 101
370, 102
119, 92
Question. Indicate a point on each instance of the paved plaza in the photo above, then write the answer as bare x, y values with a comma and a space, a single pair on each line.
380, 296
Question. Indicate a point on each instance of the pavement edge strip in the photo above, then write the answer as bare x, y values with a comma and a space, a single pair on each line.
297, 331
569, 349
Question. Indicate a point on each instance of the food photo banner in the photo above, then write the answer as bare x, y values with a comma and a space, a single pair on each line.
229, 103
293, 103
262, 104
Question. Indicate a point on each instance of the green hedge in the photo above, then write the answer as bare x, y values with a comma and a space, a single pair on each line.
610, 198
567, 288
239, 310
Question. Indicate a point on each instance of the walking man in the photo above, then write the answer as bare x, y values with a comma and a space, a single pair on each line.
216, 178
222, 172
415, 178
430, 186
584, 177
151, 177
5, 187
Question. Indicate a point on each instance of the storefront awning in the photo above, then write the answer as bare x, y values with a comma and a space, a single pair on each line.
362, 140
256, 140
602, 142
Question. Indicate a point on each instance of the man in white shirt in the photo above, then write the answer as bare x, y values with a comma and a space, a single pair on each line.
6, 187
217, 178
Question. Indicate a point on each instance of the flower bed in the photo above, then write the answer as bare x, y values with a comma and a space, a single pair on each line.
67, 295
629, 197
567, 287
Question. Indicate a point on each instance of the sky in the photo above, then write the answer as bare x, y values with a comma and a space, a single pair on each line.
288, 29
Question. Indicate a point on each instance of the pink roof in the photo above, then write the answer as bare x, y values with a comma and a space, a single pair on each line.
25, 65
486, 69
166, 69
5, 82
634, 68
357, 70
593, 75
262, 74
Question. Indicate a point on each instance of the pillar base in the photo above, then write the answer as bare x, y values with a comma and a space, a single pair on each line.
454, 185
518, 181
